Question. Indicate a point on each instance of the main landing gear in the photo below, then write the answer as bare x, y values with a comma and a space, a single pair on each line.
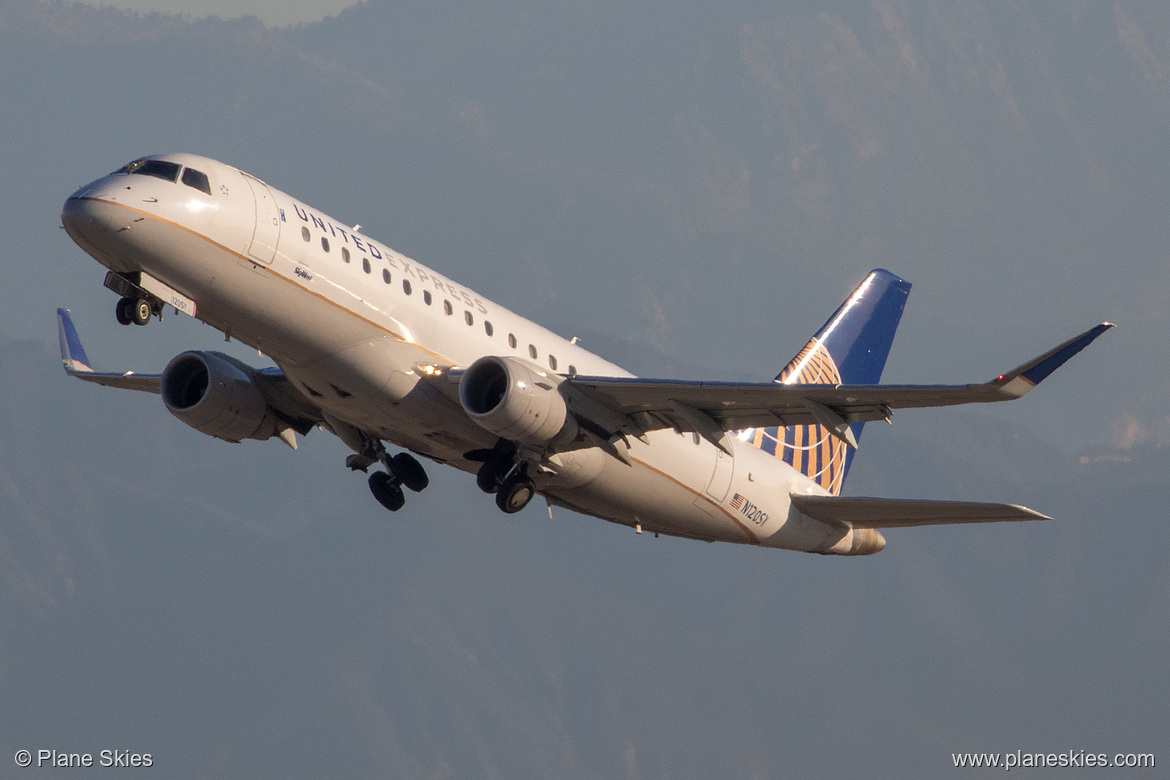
402, 470
503, 475
500, 473
515, 493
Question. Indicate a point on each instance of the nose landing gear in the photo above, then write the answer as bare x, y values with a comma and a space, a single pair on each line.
134, 310
137, 304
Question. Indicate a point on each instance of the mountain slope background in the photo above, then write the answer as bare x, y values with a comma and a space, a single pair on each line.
693, 190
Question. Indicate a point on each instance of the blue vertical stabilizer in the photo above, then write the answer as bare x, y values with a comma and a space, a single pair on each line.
850, 349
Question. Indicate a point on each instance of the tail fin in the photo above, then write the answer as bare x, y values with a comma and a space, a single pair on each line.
850, 349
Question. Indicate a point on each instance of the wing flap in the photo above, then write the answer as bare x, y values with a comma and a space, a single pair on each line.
906, 513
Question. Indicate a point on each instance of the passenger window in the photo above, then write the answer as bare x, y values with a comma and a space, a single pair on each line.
532, 351
447, 308
406, 286
197, 179
305, 234
552, 362
325, 243
385, 276
512, 340
345, 254
365, 265
487, 328
572, 370
427, 297
468, 318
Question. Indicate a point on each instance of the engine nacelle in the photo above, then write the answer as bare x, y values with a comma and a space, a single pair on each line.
216, 394
515, 402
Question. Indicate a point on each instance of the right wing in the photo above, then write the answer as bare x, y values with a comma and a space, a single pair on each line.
77, 362
282, 397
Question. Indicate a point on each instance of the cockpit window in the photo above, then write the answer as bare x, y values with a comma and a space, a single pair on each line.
197, 179
160, 169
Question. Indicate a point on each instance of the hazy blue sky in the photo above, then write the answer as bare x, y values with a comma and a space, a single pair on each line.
273, 12
692, 188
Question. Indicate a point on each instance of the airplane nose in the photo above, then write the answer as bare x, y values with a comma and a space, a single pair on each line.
92, 206
93, 222
74, 207
79, 219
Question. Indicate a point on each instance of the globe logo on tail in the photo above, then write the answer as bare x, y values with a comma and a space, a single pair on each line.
810, 449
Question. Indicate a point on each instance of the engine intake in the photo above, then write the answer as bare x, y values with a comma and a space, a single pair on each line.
510, 399
216, 394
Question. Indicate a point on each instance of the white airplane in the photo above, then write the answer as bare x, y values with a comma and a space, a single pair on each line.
378, 349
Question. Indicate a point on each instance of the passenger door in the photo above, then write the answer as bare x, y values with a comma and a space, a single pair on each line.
262, 248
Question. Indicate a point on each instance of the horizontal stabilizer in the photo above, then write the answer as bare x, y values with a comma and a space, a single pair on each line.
906, 513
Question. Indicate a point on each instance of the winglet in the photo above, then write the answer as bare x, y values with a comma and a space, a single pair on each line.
1019, 381
72, 353
77, 363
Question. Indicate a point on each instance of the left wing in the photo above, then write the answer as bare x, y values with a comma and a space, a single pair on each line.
713, 408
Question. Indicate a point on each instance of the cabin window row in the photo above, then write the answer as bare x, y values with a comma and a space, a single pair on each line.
448, 309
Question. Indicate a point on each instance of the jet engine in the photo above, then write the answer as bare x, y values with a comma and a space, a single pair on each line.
217, 395
510, 399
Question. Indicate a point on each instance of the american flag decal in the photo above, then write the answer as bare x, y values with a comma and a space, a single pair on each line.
737, 501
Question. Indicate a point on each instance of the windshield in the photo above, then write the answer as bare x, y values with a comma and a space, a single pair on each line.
196, 179
160, 169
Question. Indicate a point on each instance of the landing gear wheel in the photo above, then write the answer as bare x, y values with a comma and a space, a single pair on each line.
515, 494
492, 473
409, 471
124, 311
387, 491
142, 311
